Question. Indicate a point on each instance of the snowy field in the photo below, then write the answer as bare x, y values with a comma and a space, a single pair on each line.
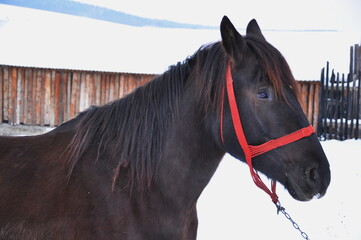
232, 207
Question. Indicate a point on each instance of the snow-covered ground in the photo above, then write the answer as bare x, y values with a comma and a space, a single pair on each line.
232, 207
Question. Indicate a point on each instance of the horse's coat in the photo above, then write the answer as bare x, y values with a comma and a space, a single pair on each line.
134, 168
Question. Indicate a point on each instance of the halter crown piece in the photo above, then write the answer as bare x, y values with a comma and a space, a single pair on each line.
251, 151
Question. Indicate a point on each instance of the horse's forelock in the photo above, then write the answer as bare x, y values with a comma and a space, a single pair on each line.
274, 66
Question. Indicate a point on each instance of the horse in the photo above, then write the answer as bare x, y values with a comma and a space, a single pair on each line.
134, 168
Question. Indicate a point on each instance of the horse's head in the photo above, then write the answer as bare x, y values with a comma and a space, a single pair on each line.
266, 96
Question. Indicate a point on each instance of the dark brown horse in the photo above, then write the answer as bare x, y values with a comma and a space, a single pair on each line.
134, 168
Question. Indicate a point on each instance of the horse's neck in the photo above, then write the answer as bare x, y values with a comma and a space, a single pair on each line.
191, 155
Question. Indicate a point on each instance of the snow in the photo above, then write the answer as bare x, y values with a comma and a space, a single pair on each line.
43, 39
343, 120
232, 207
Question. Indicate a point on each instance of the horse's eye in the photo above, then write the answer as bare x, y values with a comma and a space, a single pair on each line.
262, 94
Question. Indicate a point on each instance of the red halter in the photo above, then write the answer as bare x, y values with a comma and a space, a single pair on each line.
252, 151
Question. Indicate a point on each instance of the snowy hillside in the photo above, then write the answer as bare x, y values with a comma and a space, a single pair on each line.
43, 39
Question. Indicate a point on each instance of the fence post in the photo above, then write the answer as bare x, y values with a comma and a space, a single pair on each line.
358, 105
343, 126
321, 115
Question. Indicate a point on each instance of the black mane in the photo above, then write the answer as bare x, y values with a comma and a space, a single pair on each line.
131, 130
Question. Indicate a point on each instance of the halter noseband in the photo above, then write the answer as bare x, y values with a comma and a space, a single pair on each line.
251, 151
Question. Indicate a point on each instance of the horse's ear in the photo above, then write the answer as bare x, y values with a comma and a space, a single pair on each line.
254, 29
232, 41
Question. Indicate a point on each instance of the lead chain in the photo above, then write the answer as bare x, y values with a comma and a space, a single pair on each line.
294, 224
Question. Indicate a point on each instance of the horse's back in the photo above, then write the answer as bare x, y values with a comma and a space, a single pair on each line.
32, 174
24, 153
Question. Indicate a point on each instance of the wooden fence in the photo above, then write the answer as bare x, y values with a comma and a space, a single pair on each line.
340, 106
340, 111
48, 97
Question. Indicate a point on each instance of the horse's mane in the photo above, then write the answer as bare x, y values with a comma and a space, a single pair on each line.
132, 131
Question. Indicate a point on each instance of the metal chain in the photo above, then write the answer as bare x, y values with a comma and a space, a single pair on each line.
294, 224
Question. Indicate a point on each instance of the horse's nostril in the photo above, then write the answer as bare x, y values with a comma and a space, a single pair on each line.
313, 177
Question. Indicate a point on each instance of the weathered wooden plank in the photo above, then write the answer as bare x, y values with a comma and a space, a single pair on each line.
47, 97
97, 84
23, 99
121, 86
102, 88
87, 91
127, 84
14, 82
33, 98
105, 85
310, 103
74, 100
111, 87
82, 97
37, 89
63, 97
304, 93
68, 95
107, 88
24, 95
28, 96
52, 94
316, 108
116, 86
42, 97
134, 83
57, 98
92, 90
66, 104
7, 94
77, 94
20, 95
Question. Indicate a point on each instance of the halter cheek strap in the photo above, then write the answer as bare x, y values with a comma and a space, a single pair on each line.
252, 151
